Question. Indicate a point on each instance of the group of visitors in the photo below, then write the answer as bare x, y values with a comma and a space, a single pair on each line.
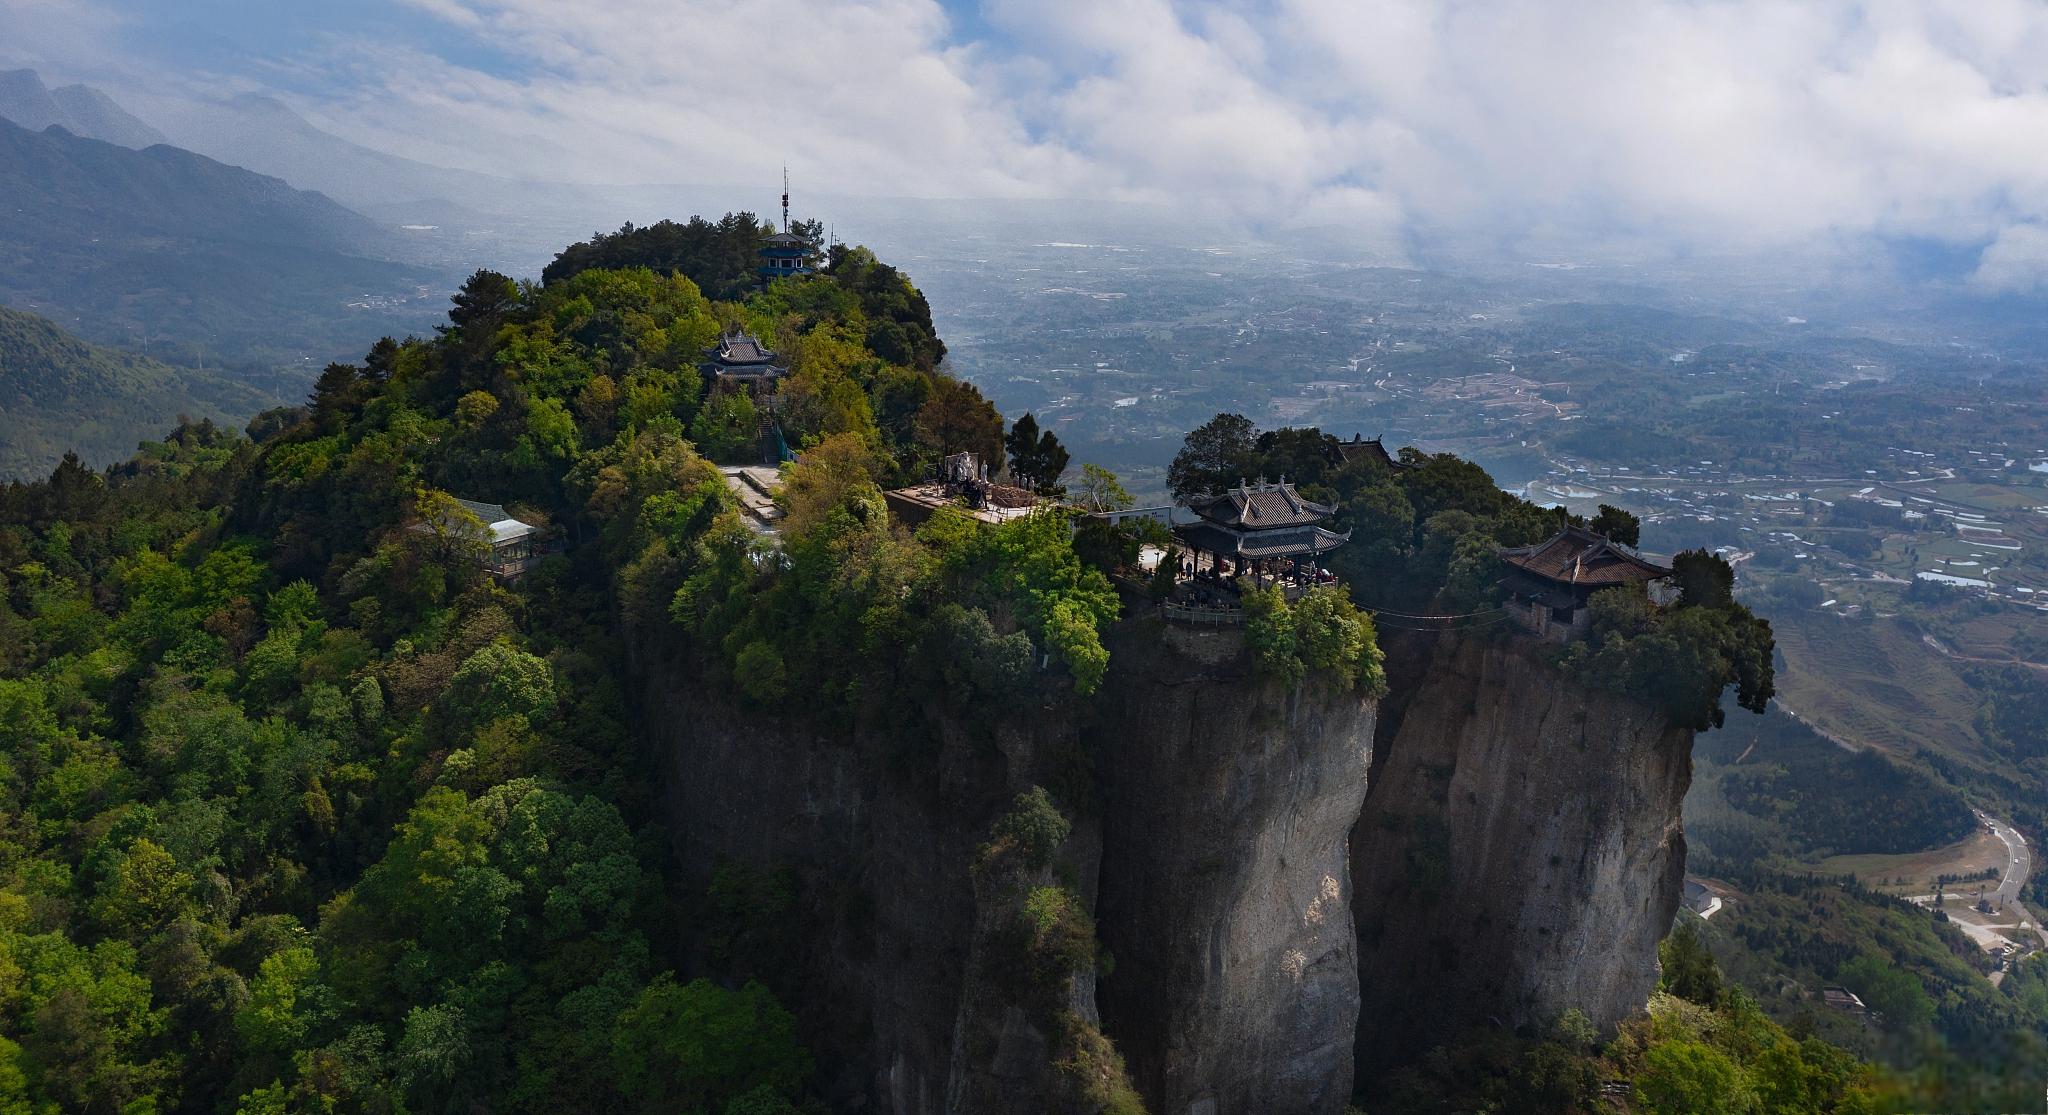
1223, 581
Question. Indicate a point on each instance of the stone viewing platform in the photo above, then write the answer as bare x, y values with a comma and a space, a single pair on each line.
963, 484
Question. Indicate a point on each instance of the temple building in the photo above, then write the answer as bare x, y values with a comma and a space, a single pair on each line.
1550, 582
739, 359
1361, 447
1256, 522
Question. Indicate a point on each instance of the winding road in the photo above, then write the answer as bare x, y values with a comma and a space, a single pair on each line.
2019, 864
1945, 651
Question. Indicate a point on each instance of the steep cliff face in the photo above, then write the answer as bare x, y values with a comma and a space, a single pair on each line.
1272, 924
1224, 896
1520, 851
879, 826
1210, 840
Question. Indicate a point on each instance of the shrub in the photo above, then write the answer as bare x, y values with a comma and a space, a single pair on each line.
1087, 1057
1059, 937
760, 671
1269, 632
499, 681
1322, 632
1332, 634
1680, 659
1689, 969
1032, 830
697, 1046
1690, 1078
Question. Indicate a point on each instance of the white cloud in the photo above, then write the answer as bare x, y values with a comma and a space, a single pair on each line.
2016, 262
868, 96
1696, 123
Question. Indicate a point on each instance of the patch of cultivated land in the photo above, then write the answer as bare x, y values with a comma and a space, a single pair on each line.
1914, 873
1990, 636
1988, 497
1876, 685
2002, 927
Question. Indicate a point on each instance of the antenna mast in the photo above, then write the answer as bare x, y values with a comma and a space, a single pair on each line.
785, 199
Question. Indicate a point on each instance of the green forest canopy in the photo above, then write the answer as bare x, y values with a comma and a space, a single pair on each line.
301, 810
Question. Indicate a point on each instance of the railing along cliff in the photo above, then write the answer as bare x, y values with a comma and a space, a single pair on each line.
1202, 613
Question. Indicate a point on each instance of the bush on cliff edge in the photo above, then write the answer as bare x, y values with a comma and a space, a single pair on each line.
1323, 632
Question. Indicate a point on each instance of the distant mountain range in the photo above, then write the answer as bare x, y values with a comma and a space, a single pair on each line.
59, 393
177, 255
264, 135
78, 109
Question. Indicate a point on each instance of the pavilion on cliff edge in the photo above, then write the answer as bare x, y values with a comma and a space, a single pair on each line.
1550, 583
1263, 531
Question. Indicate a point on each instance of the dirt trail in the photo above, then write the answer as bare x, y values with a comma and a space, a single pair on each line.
1947, 652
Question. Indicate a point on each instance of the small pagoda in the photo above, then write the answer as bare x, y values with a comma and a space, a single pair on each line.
785, 254
1550, 583
741, 360
1254, 523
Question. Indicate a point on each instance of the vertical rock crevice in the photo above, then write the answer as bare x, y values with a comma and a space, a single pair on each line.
1227, 805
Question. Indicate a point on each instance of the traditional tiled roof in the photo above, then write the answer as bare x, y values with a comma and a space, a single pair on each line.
1362, 447
741, 348
787, 240
1577, 556
1260, 507
1212, 539
488, 512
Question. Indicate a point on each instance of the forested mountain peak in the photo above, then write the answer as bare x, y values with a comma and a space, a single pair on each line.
355, 826
305, 809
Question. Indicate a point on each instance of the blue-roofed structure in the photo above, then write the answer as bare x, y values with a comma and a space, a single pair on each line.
785, 253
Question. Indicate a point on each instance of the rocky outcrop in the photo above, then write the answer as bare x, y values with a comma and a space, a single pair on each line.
1520, 851
1227, 804
1210, 842
1267, 922
878, 826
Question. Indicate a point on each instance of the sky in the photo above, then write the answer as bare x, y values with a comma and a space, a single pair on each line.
1696, 124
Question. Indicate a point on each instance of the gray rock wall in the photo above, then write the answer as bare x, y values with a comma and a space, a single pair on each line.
1225, 878
880, 827
1520, 851
1283, 898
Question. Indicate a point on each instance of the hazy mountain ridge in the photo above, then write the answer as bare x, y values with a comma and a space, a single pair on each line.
269, 137
72, 183
78, 109
175, 254
59, 393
